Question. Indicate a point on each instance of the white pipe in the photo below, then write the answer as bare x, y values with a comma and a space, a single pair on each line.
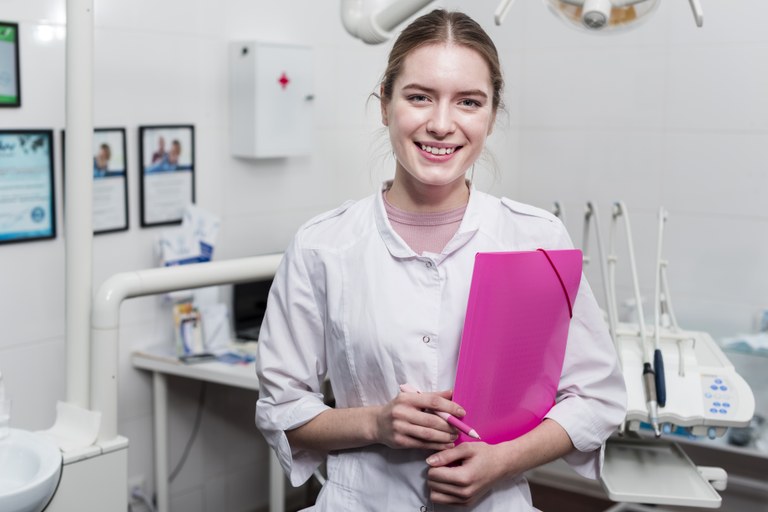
78, 234
501, 11
106, 315
396, 13
621, 209
613, 307
351, 14
592, 213
657, 284
698, 14
366, 20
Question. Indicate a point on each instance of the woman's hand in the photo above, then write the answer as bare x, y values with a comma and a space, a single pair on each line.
404, 422
462, 475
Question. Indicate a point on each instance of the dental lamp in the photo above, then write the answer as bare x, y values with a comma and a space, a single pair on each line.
373, 21
601, 15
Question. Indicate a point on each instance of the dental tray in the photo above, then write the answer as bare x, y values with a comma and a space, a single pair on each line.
658, 472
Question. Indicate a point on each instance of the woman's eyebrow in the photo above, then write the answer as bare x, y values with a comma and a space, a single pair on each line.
471, 92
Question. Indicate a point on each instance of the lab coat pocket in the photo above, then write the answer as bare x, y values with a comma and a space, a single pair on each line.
341, 489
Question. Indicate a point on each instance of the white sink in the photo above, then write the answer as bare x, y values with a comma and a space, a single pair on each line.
30, 466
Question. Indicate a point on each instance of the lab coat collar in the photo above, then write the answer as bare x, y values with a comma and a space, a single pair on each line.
397, 246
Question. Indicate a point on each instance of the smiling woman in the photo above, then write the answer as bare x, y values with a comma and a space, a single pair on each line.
372, 295
439, 115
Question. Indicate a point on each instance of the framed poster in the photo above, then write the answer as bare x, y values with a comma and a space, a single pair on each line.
167, 155
27, 206
110, 180
10, 81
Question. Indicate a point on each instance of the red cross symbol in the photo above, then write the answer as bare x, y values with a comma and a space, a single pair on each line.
283, 80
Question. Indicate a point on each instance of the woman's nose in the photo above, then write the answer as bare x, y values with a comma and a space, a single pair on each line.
441, 122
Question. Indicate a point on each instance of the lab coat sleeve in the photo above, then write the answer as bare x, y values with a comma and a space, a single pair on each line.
591, 397
291, 361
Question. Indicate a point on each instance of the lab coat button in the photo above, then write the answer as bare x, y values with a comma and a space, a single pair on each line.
425, 339
428, 264
423, 509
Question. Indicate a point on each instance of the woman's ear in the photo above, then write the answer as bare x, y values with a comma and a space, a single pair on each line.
383, 104
492, 124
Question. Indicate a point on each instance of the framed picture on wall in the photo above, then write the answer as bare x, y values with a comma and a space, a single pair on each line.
27, 192
10, 81
167, 156
110, 180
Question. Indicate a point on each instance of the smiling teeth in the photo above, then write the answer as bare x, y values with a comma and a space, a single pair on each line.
437, 151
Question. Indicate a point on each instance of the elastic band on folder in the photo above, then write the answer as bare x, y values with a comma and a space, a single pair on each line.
562, 284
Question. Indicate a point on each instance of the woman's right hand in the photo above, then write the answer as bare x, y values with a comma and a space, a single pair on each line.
405, 422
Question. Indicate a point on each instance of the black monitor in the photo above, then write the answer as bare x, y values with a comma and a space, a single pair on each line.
249, 302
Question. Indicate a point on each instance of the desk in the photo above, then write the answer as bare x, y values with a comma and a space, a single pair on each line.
161, 365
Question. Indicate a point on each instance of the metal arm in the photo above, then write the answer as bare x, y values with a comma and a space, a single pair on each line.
374, 21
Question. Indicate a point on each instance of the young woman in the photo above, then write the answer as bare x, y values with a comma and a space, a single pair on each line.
373, 294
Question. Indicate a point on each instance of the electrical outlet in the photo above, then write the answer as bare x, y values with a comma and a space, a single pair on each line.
136, 483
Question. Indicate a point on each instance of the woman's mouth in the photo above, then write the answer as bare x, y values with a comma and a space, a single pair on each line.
437, 151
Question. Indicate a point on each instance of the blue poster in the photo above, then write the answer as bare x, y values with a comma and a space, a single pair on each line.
26, 186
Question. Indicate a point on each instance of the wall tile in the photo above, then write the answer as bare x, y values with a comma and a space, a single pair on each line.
717, 88
605, 87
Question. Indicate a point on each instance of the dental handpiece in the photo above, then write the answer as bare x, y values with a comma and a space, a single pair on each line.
649, 381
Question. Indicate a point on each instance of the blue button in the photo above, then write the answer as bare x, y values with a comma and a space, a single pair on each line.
723, 388
718, 381
713, 410
723, 411
707, 395
716, 404
726, 404
713, 387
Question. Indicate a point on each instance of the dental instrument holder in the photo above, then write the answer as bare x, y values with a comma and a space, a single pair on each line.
658, 358
705, 396
620, 210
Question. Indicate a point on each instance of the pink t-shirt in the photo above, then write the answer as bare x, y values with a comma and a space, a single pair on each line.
424, 232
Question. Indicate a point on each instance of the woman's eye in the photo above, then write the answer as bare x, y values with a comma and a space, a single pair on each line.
470, 103
417, 98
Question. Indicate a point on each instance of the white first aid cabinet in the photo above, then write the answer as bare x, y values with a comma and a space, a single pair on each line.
270, 99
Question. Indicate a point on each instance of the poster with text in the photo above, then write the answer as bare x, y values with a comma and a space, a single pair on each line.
167, 156
27, 208
110, 181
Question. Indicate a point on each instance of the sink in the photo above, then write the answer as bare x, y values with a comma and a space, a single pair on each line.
30, 467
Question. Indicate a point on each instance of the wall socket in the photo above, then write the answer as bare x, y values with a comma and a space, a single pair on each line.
138, 483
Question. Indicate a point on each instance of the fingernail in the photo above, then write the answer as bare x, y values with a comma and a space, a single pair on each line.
431, 460
462, 412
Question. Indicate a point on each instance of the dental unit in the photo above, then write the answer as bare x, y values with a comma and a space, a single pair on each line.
703, 393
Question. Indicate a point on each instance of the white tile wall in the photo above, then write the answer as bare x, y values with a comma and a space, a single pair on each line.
667, 114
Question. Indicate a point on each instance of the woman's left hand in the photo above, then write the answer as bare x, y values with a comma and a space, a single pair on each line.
481, 466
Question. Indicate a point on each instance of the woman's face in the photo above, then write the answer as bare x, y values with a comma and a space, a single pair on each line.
440, 114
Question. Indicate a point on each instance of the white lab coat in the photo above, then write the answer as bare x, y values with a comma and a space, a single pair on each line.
353, 303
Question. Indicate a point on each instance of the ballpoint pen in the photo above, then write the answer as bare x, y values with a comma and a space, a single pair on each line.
451, 419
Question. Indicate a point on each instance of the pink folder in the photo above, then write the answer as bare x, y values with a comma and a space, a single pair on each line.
514, 338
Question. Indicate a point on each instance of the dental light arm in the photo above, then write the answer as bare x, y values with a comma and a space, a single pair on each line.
698, 14
503, 9
374, 20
